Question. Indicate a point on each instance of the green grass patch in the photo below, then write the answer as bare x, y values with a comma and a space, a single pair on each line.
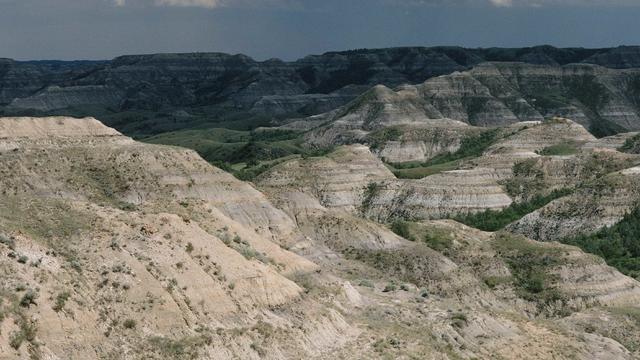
245, 154
420, 172
565, 148
471, 146
492, 220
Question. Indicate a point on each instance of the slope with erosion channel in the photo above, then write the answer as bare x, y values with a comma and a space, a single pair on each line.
144, 249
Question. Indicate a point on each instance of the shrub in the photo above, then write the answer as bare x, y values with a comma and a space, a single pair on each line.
6, 240
390, 287
631, 145
29, 298
129, 324
61, 300
459, 320
189, 248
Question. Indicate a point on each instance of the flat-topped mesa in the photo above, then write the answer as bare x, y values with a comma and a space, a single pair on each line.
58, 131
57, 127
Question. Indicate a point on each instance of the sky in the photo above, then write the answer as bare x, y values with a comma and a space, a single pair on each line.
291, 29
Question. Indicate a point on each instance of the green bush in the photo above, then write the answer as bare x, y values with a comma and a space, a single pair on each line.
390, 287
29, 298
129, 324
61, 300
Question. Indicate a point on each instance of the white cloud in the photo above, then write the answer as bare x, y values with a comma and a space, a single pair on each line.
197, 3
210, 4
502, 2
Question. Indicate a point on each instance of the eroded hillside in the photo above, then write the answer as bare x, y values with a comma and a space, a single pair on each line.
116, 249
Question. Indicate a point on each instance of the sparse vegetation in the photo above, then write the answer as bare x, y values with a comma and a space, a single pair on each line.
245, 154
530, 263
27, 332
184, 348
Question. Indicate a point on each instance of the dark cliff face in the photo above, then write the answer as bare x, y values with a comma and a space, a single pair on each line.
133, 89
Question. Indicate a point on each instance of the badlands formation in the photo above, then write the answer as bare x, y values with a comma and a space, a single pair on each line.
116, 249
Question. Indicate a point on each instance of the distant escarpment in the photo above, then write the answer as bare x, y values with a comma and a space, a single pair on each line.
605, 101
148, 94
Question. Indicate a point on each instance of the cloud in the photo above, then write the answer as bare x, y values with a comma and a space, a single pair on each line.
209, 4
197, 3
502, 2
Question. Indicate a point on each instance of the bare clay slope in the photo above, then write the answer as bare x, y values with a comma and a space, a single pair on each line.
114, 249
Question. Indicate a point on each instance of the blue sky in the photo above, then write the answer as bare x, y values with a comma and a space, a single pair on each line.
289, 29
